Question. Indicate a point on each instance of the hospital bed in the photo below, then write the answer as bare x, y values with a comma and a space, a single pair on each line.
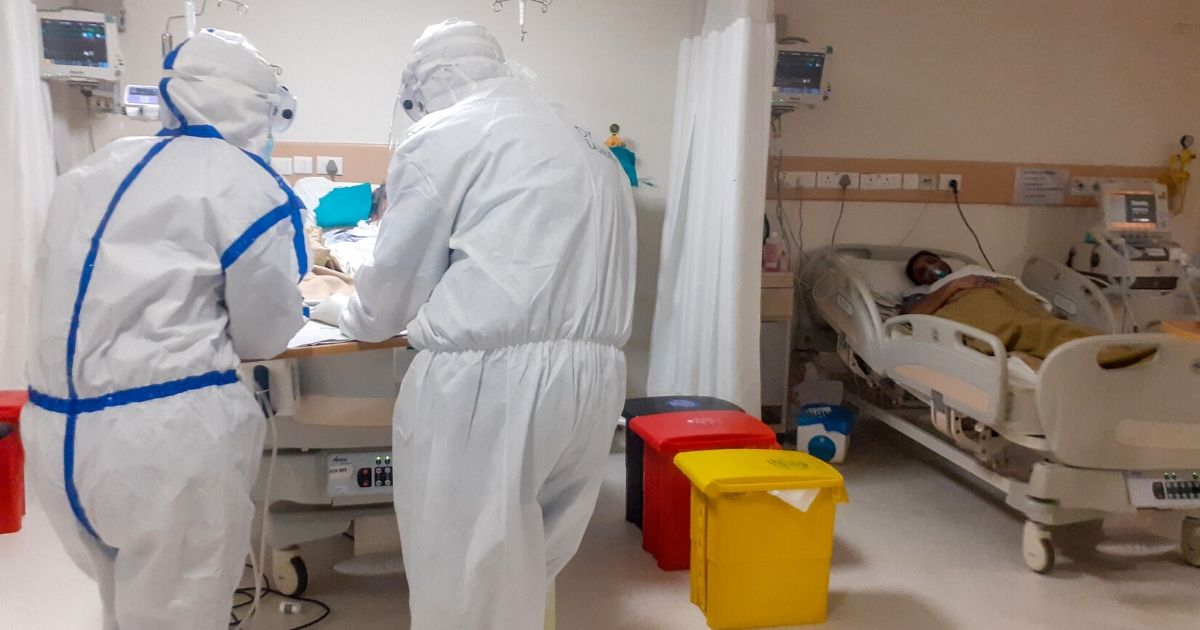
1069, 442
332, 412
332, 407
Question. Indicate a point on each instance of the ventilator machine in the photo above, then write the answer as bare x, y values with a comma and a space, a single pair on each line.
1134, 258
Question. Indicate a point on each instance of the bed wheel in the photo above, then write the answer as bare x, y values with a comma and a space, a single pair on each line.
1189, 542
289, 571
1037, 548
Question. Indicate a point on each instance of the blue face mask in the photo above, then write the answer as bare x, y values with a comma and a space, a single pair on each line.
940, 273
269, 148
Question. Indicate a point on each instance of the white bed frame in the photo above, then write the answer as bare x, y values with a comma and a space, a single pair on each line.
324, 406
1059, 446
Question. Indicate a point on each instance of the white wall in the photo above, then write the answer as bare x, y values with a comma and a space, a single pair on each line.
1062, 81
606, 61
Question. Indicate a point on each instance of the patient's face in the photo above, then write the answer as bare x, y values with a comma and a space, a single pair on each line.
929, 269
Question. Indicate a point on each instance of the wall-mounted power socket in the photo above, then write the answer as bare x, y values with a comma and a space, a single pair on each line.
1085, 186
927, 181
881, 181
798, 179
831, 179
945, 178
323, 165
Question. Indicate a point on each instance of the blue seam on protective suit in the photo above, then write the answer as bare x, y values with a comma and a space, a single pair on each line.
166, 99
133, 395
195, 131
294, 204
169, 61
256, 229
85, 279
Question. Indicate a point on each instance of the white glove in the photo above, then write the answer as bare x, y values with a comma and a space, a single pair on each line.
330, 309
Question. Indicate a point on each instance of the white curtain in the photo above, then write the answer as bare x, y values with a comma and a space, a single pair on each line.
706, 321
26, 181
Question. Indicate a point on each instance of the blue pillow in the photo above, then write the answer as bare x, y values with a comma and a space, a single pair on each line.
344, 207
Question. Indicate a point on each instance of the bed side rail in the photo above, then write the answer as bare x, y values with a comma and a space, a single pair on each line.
1072, 294
930, 357
1142, 417
846, 304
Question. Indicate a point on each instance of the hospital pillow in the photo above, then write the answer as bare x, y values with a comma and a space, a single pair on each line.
884, 277
344, 206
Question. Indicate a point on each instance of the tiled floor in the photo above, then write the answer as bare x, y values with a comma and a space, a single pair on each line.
916, 548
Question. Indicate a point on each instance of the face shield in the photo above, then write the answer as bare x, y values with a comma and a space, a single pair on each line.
283, 110
448, 62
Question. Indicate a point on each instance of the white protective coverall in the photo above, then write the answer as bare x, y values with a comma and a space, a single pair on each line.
508, 254
166, 259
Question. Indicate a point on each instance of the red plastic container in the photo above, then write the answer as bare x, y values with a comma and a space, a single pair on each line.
12, 463
666, 519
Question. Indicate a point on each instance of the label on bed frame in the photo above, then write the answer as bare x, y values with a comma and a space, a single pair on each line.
845, 305
1065, 305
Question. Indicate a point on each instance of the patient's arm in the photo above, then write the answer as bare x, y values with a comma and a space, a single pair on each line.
933, 302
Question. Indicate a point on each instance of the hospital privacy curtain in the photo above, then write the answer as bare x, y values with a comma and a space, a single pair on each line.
706, 322
27, 181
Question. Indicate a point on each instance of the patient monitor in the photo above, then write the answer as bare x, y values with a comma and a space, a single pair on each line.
800, 75
1132, 254
79, 47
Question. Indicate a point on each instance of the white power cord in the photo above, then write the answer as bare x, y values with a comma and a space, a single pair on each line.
257, 561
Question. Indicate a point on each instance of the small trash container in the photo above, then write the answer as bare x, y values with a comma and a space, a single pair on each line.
12, 462
762, 536
635, 447
666, 515
823, 431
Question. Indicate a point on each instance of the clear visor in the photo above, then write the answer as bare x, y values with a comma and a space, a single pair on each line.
407, 109
283, 112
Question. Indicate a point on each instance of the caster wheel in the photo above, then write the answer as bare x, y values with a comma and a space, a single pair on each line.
289, 571
1189, 542
1037, 548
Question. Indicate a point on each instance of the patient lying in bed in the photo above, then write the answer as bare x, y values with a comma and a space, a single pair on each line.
1002, 306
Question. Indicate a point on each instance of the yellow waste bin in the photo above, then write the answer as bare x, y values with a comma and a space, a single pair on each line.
762, 535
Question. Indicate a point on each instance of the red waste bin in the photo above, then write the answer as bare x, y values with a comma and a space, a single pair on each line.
12, 462
667, 511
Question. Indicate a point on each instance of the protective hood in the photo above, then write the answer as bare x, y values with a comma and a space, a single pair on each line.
217, 81
449, 62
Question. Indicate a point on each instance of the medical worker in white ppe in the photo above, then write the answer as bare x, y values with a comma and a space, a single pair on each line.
507, 252
167, 260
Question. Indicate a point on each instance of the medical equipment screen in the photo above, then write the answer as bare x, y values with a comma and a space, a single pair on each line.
75, 43
141, 95
799, 72
1140, 209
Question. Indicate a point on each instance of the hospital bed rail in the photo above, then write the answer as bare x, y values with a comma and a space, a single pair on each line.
932, 358
1072, 295
842, 297
1159, 427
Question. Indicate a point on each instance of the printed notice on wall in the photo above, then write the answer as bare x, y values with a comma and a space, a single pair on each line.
1040, 186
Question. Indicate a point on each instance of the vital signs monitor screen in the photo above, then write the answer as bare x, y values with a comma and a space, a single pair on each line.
75, 43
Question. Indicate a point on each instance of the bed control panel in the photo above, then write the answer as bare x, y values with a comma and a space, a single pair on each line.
1172, 489
360, 473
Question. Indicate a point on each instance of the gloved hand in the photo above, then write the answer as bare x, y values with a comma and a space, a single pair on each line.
329, 309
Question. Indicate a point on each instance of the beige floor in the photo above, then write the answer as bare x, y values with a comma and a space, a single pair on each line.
915, 549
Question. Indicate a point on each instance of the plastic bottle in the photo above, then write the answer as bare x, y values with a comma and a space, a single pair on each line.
773, 255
